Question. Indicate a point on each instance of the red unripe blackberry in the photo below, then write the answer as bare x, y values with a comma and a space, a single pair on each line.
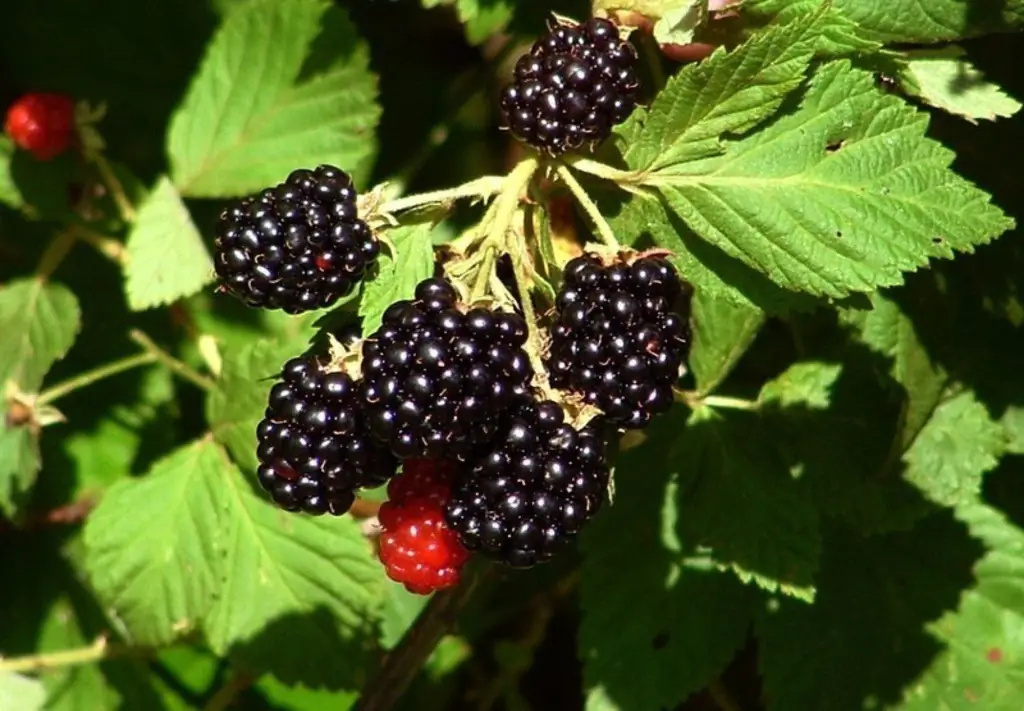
314, 447
576, 83
621, 337
436, 380
540, 484
416, 546
42, 124
297, 246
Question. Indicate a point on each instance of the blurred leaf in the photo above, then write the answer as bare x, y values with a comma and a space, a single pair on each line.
684, 623
281, 87
39, 321
167, 257
482, 17
20, 463
398, 275
287, 697
943, 79
21, 693
723, 330
9, 193
155, 544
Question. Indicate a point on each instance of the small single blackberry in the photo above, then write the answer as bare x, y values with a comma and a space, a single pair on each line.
574, 85
621, 336
436, 380
534, 491
297, 246
314, 448
416, 546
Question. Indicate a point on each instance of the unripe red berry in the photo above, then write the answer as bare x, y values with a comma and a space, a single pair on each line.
42, 124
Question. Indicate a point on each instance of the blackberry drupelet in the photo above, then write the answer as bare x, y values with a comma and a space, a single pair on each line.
297, 246
436, 380
576, 83
541, 483
621, 336
314, 447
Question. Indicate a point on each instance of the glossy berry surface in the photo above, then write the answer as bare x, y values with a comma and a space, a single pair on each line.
540, 484
416, 546
621, 337
573, 86
42, 124
314, 449
297, 246
436, 380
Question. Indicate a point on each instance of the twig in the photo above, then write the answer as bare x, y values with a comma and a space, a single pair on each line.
92, 376
227, 694
483, 187
55, 253
124, 205
604, 230
406, 660
172, 363
98, 650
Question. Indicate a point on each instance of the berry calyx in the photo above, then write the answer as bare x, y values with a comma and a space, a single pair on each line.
42, 124
542, 482
436, 380
314, 449
621, 336
297, 246
416, 547
576, 83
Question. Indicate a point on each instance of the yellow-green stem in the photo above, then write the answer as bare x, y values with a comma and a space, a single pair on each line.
483, 187
92, 376
171, 363
55, 253
95, 652
483, 277
113, 184
604, 230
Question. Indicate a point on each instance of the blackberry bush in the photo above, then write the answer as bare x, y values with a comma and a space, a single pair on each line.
436, 379
297, 246
621, 336
314, 449
534, 491
575, 84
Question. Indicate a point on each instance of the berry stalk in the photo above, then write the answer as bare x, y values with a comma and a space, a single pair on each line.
604, 230
484, 187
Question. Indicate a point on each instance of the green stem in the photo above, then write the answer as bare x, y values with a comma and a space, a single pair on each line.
107, 246
483, 187
533, 343
483, 277
55, 253
97, 651
508, 201
729, 403
117, 192
606, 172
92, 376
604, 230
171, 363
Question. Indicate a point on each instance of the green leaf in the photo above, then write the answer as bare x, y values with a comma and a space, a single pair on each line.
399, 274
288, 697
723, 331
954, 450
21, 693
1013, 425
237, 405
835, 426
288, 577
863, 639
844, 194
20, 463
482, 17
282, 86
154, 544
941, 78
9, 193
983, 663
686, 622
167, 257
39, 321
728, 462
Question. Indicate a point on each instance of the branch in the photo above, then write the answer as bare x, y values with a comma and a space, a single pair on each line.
93, 376
97, 651
406, 660
173, 364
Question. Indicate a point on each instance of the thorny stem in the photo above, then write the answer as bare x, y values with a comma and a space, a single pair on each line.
405, 661
508, 201
600, 170
533, 344
98, 650
483, 187
124, 205
92, 376
604, 230
173, 364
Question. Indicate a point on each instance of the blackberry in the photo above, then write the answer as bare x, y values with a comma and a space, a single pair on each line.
621, 336
435, 379
314, 447
297, 246
574, 85
534, 491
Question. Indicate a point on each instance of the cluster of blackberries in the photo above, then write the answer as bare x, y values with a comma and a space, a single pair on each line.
575, 84
621, 336
297, 246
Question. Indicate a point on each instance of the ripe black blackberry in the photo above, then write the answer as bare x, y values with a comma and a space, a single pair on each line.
297, 246
575, 84
621, 336
435, 379
533, 492
314, 447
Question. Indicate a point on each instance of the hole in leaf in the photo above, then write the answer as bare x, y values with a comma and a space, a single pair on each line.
834, 146
660, 640
839, 234
937, 240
